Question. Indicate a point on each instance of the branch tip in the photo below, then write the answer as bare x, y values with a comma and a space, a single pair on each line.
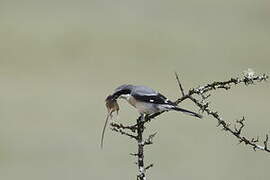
179, 84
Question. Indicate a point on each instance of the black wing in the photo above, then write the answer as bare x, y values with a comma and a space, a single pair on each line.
155, 99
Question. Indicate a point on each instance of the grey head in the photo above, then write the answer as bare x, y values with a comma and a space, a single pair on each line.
122, 90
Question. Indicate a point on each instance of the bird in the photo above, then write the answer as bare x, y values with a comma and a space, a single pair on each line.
146, 100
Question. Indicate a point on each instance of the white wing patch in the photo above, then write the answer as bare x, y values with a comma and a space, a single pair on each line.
166, 101
153, 94
151, 100
165, 107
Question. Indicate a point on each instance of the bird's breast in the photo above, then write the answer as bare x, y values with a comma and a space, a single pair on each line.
142, 107
132, 101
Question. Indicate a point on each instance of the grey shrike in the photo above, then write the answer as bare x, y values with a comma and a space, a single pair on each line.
144, 99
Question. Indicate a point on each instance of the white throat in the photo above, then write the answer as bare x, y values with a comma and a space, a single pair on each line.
125, 96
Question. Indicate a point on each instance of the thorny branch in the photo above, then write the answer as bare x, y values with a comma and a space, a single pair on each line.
204, 107
141, 142
117, 129
136, 130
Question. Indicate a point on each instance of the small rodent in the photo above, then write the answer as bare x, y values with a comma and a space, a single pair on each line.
112, 106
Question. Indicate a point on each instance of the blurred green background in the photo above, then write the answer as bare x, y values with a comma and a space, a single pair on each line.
60, 59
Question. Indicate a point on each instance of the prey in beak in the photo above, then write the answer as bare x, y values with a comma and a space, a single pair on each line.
112, 106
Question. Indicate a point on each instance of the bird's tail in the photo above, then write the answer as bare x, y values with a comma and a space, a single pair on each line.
186, 111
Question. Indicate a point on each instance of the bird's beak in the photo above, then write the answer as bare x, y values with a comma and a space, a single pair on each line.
109, 98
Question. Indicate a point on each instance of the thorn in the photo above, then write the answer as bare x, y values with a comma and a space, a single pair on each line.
240, 141
265, 142
149, 166
179, 84
149, 140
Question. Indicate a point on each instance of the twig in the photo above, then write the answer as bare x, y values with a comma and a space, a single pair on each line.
140, 129
121, 126
149, 140
179, 84
123, 132
265, 143
149, 166
226, 126
235, 132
